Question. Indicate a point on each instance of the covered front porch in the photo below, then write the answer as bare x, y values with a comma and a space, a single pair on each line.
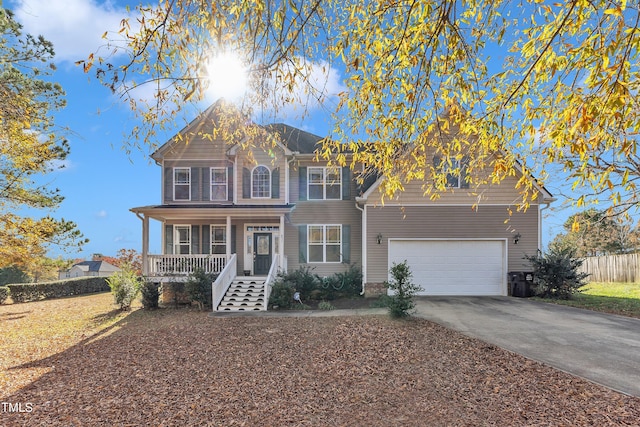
208, 237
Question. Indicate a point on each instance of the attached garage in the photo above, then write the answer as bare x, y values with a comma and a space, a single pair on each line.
454, 267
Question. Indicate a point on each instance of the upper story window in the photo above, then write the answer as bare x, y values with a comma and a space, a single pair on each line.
324, 183
455, 170
182, 240
453, 173
261, 183
181, 183
218, 183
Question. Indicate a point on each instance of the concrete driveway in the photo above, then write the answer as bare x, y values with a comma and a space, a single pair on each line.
602, 348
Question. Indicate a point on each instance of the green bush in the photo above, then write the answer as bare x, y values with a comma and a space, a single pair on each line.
198, 287
125, 286
401, 302
346, 284
555, 274
25, 292
303, 281
314, 288
176, 288
4, 294
150, 295
281, 296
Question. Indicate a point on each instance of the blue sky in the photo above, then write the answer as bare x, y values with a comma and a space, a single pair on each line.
100, 181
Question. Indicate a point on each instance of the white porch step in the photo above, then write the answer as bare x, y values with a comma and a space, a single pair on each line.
244, 294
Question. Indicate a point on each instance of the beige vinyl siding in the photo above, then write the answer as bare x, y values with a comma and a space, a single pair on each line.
196, 148
503, 193
454, 222
324, 212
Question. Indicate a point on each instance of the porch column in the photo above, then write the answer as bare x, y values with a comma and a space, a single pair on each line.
281, 248
228, 239
145, 243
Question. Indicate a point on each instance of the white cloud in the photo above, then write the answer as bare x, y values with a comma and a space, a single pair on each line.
102, 214
75, 27
316, 85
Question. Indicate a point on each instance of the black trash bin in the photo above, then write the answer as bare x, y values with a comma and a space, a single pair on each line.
521, 284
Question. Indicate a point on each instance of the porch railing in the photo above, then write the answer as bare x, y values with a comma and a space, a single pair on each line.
170, 265
268, 283
224, 279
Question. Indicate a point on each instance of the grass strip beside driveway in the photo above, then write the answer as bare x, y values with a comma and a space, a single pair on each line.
615, 298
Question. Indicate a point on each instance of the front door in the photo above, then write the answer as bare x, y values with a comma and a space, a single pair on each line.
262, 253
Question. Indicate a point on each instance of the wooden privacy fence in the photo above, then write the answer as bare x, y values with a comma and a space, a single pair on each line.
612, 268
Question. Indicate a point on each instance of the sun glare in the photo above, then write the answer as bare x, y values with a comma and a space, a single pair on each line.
227, 77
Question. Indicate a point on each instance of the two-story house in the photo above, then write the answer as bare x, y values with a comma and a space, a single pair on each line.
252, 212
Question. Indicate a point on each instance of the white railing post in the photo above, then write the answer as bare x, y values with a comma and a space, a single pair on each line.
269, 282
162, 265
223, 281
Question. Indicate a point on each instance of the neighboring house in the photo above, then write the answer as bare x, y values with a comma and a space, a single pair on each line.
89, 268
282, 208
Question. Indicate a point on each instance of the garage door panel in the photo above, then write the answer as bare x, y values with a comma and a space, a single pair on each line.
453, 267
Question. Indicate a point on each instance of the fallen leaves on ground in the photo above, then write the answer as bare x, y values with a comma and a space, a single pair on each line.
184, 367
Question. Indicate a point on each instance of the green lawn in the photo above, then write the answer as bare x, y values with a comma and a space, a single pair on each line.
616, 298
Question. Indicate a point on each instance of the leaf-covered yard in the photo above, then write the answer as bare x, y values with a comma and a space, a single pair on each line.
77, 362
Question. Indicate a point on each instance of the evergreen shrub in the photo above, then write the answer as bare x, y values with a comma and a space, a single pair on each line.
400, 302
556, 274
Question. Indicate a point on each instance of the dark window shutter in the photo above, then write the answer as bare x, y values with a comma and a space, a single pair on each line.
230, 183
437, 165
168, 239
346, 183
246, 183
302, 241
464, 164
195, 239
168, 184
195, 184
233, 239
206, 184
206, 239
346, 243
275, 183
302, 182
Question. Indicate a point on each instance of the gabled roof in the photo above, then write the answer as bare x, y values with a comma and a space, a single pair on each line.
96, 266
291, 138
209, 112
295, 139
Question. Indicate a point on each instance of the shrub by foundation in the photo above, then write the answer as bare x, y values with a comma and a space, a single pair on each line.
150, 295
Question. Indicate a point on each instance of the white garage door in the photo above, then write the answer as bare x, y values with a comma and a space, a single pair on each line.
453, 267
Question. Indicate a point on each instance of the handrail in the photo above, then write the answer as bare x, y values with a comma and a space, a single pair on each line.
168, 264
223, 281
269, 281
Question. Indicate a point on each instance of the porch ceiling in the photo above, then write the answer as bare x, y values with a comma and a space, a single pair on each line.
195, 212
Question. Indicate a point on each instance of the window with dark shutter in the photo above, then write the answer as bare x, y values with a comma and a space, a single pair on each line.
260, 183
181, 183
